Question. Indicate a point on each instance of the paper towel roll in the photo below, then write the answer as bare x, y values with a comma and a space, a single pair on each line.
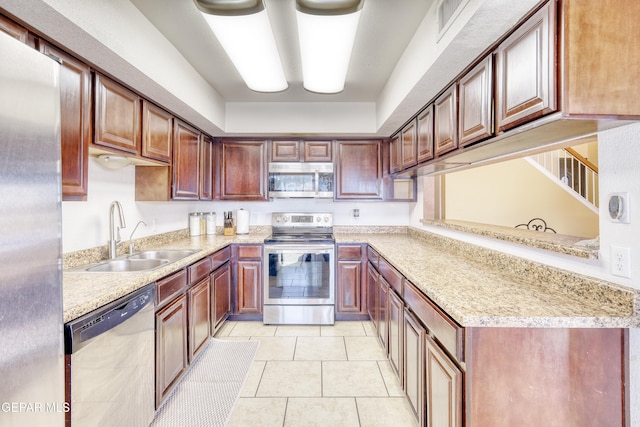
242, 221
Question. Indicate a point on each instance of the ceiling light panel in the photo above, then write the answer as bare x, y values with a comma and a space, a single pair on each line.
248, 40
326, 42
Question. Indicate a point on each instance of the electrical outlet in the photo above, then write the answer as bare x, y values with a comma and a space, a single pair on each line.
621, 261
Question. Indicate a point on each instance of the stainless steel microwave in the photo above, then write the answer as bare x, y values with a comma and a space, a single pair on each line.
301, 180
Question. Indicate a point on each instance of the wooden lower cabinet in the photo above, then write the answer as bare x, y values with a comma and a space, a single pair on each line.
372, 294
443, 388
249, 287
395, 309
351, 291
414, 335
382, 319
171, 346
247, 275
199, 316
221, 296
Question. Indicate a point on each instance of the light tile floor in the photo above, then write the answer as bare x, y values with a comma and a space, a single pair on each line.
302, 376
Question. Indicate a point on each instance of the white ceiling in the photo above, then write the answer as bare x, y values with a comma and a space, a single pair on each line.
385, 29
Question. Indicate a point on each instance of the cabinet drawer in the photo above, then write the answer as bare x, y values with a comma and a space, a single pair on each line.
170, 286
391, 275
249, 251
372, 256
220, 257
444, 330
199, 270
349, 252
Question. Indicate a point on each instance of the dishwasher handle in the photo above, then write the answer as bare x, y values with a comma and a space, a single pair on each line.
79, 332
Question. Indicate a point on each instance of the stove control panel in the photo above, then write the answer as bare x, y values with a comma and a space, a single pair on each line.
298, 220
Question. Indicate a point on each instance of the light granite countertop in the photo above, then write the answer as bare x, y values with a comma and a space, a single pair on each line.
83, 292
478, 287
475, 286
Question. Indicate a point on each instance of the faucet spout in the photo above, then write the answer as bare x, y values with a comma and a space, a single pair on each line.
113, 239
131, 244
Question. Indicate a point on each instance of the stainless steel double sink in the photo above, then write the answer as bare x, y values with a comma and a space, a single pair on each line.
140, 261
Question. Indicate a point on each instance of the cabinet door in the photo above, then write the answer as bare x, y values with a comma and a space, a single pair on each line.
475, 119
243, 170
425, 134
16, 31
75, 122
186, 150
207, 168
395, 315
249, 287
117, 116
525, 71
445, 119
395, 154
372, 294
413, 369
157, 132
199, 316
285, 151
409, 145
221, 303
383, 320
317, 151
349, 287
443, 388
359, 170
171, 346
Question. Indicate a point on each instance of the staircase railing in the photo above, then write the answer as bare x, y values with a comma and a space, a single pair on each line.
573, 172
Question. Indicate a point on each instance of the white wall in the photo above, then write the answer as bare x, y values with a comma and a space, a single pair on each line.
86, 224
619, 160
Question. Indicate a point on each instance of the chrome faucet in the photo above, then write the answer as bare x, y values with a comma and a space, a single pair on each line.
113, 239
131, 245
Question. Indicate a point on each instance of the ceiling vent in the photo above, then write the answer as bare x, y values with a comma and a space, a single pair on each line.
448, 10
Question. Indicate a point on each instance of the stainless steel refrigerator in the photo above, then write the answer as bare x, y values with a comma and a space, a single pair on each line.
31, 325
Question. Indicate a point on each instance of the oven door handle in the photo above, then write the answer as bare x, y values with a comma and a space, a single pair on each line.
310, 248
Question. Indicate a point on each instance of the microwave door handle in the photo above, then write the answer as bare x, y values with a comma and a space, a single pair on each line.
317, 182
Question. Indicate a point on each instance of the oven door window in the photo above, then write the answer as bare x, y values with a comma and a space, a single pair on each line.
297, 276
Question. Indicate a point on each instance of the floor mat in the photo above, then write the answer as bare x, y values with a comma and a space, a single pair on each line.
208, 392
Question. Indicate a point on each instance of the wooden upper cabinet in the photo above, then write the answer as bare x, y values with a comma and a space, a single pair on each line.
600, 59
117, 116
317, 151
409, 145
157, 132
445, 119
243, 172
475, 115
526, 71
425, 134
359, 170
16, 31
186, 150
296, 151
395, 153
75, 121
285, 151
207, 168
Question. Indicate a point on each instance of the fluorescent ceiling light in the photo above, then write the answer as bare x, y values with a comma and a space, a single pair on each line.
248, 40
326, 41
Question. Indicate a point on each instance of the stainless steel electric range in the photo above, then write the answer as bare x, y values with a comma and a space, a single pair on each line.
299, 286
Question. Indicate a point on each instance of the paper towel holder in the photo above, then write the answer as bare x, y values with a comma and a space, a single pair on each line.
242, 221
